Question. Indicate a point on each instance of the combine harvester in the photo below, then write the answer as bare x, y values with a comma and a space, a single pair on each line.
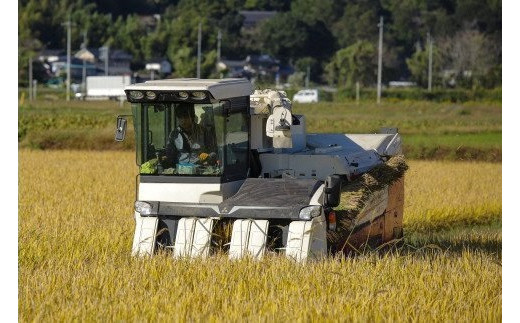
226, 168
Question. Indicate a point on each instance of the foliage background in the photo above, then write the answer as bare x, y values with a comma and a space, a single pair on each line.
315, 33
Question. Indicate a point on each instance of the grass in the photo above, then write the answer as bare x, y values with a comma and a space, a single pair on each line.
465, 131
480, 140
76, 227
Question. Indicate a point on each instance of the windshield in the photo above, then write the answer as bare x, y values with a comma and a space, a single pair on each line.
191, 139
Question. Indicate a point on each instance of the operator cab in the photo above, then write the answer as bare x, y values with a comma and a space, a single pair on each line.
191, 128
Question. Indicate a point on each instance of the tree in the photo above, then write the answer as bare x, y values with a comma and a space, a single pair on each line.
183, 25
356, 63
184, 62
358, 22
313, 11
470, 55
418, 66
286, 37
128, 34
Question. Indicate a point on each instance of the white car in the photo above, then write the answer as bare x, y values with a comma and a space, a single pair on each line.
306, 96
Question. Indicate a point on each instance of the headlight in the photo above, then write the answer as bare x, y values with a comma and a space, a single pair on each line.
136, 95
310, 212
198, 95
183, 95
150, 95
143, 208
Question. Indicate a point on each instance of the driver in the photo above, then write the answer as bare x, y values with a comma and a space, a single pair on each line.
184, 140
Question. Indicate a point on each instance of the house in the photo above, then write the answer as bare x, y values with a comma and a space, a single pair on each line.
118, 62
159, 65
262, 64
50, 55
59, 68
233, 68
254, 66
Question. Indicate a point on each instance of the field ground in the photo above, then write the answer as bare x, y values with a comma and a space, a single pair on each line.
76, 226
449, 131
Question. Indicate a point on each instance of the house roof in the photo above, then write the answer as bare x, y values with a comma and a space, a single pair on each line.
96, 52
252, 18
232, 63
120, 54
262, 60
51, 52
157, 60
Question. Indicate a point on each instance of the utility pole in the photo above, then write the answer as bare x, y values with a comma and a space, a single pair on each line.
380, 60
357, 92
35, 88
30, 79
68, 25
84, 71
430, 59
219, 40
199, 50
107, 58
308, 76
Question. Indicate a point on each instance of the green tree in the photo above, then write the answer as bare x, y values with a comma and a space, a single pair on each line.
184, 62
358, 22
418, 66
313, 11
128, 34
286, 37
183, 30
356, 63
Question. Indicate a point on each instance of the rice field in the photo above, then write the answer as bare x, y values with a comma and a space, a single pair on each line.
76, 228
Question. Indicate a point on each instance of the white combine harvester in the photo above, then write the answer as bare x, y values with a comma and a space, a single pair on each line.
245, 165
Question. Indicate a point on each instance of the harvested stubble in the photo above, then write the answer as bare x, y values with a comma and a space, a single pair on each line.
76, 226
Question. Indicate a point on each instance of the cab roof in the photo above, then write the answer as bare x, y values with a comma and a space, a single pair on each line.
219, 88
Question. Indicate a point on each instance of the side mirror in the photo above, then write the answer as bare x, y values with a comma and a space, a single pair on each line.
120, 129
332, 191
